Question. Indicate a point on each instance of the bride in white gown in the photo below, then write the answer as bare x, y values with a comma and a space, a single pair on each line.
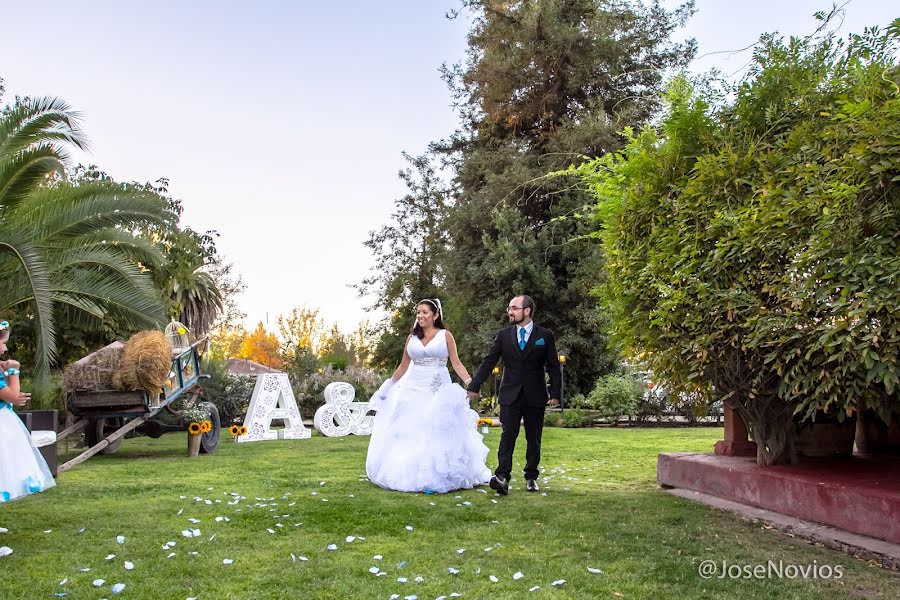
424, 438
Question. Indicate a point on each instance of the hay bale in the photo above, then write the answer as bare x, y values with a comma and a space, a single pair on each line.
145, 363
95, 371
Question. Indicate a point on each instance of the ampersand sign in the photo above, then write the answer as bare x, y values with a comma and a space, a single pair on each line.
340, 415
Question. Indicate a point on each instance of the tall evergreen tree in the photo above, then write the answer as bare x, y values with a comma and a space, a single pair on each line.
545, 84
409, 254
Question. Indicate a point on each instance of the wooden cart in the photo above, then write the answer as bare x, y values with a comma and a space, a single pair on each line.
106, 416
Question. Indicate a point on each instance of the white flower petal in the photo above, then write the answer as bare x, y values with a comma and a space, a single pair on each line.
350, 538
518, 575
5, 550
402, 580
377, 557
170, 555
409, 528
534, 589
99, 582
493, 578
117, 589
558, 582
593, 570
331, 547
110, 556
373, 570
227, 561
120, 539
129, 565
461, 551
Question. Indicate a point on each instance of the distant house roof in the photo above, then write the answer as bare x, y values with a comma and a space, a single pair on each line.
242, 366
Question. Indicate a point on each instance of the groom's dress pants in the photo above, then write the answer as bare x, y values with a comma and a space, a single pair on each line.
510, 416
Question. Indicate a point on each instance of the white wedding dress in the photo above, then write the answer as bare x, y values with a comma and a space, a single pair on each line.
425, 437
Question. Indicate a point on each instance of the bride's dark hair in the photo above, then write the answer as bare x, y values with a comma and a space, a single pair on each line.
438, 322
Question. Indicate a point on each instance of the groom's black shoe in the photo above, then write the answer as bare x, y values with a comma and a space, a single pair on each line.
500, 484
531, 485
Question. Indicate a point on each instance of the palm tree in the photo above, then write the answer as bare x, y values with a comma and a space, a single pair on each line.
189, 290
69, 246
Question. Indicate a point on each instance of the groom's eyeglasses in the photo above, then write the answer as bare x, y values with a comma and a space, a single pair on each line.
509, 308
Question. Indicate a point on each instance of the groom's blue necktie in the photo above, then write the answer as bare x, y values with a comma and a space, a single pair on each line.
521, 338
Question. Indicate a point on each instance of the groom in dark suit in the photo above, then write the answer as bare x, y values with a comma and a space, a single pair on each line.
527, 349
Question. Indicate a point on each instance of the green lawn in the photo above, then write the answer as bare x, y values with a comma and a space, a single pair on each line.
602, 509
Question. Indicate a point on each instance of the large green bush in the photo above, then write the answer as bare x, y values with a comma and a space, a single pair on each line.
752, 248
230, 393
309, 391
615, 396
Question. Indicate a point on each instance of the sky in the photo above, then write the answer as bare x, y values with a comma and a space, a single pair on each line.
280, 124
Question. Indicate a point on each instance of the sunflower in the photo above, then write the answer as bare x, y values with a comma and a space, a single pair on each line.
194, 428
205, 427
234, 430
243, 430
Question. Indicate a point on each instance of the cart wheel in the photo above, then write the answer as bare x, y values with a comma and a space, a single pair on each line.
210, 439
97, 429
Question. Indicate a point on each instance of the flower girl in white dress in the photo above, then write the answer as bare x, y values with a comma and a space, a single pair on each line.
425, 437
23, 470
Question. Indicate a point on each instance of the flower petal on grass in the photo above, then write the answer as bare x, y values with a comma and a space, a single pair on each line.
98, 582
129, 566
227, 561
534, 589
110, 556
120, 539
331, 547
518, 575
593, 570
493, 578
558, 582
117, 589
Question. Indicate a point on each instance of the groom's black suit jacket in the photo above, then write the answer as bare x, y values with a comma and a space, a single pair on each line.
523, 370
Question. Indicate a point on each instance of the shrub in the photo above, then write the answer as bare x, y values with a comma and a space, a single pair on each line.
751, 245
615, 396
569, 418
230, 393
309, 390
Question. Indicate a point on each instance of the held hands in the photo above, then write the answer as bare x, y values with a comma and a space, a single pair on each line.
553, 402
22, 399
9, 364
